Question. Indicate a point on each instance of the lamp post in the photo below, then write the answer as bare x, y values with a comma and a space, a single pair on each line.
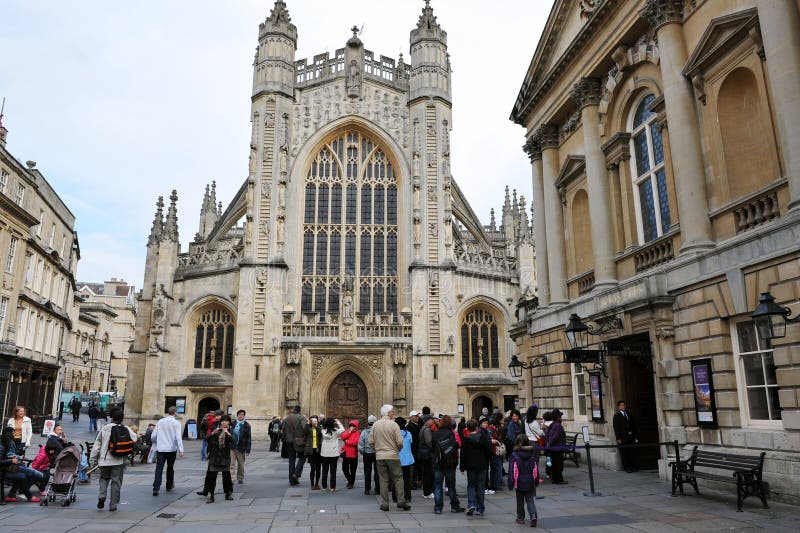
86, 356
577, 333
515, 367
771, 319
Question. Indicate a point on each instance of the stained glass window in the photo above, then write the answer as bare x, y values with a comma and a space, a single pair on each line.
480, 340
350, 235
650, 178
214, 337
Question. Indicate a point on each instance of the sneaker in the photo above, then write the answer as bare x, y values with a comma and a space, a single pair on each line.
488, 491
437, 511
323, 489
520, 521
83, 482
386, 508
470, 511
155, 493
241, 481
200, 493
404, 507
478, 513
533, 522
169, 489
428, 497
112, 508
229, 496
458, 509
101, 502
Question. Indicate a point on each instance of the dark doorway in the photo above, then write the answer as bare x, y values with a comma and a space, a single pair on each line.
637, 385
206, 404
347, 399
510, 402
479, 403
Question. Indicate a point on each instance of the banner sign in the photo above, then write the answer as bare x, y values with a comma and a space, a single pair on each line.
704, 402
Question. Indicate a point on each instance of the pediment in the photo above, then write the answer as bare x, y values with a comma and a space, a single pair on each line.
722, 34
572, 168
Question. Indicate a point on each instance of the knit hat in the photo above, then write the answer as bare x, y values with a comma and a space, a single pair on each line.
371, 419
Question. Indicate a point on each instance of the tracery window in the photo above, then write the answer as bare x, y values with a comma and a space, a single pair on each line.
650, 175
213, 347
350, 228
480, 342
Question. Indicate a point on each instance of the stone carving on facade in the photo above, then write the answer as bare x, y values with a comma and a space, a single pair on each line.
433, 229
261, 278
586, 92
354, 80
293, 354
432, 196
645, 49
374, 362
417, 193
433, 279
448, 307
399, 383
252, 160
417, 145
347, 304
417, 230
283, 138
292, 385
399, 356
547, 136
266, 192
451, 344
279, 229
416, 164
263, 228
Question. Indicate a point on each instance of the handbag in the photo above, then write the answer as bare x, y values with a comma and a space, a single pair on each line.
500, 449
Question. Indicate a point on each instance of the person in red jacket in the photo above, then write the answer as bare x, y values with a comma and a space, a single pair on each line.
350, 462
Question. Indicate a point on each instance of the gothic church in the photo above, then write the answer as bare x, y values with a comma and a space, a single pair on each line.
349, 270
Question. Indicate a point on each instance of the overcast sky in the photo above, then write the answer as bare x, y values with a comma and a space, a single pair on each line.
119, 102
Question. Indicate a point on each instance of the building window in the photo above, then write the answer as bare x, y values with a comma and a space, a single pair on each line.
3, 311
12, 250
3, 181
214, 340
350, 229
20, 195
758, 386
579, 390
480, 343
650, 175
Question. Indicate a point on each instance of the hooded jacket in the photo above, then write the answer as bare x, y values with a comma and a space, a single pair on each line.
244, 441
476, 451
523, 470
331, 442
350, 439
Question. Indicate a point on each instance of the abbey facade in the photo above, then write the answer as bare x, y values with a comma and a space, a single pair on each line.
349, 270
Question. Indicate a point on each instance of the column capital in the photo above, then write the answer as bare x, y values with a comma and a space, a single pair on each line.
532, 148
547, 136
661, 12
586, 92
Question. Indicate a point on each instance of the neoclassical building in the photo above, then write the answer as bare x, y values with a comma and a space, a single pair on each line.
349, 270
664, 139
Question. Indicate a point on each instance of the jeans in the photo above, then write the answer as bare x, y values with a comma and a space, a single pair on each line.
211, 482
526, 498
389, 471
448, 477
329, 464
203, 448
84, 465
274, 441
238, 458
349, 467
315, 462
496, 465
93, 424
169, 458
370, 472
296, 462
24, 478
112, 474
476, 484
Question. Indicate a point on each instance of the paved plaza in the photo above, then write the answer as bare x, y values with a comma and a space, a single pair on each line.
265, 502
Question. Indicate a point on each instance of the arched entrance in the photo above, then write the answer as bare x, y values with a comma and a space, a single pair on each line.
479, 403
347, 398
207, 404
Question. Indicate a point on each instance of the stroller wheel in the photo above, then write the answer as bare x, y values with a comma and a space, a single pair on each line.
74, 497
65, 503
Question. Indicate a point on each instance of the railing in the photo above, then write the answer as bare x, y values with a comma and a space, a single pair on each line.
315, 325
654, 253
323, 67
383, 326
757, 211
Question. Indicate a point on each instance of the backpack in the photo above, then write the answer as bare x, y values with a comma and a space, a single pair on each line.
523, 473
447, 450
120, 443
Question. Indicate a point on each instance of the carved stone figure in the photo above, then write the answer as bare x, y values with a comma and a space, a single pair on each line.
451, 344
416, 164
252, 162
347, 307
399, 383
279, 230
293, 355
417, 231
292, 385
398, 356
353, 80
433, 228
283, 159
417, 194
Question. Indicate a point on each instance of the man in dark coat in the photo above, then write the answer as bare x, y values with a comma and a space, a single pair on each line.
240, 448
75, 407
556, 436
293, 427
476, 452
625, 433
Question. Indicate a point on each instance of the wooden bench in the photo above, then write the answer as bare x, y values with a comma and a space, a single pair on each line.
571, 454
746, 473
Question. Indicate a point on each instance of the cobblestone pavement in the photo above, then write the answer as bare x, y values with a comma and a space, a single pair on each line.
265, 502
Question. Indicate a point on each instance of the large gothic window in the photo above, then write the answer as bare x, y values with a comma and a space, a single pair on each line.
213, 346
350, 228
650, 175
480, 342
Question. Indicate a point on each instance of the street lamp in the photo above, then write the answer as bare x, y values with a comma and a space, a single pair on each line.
86, 356
515, 367
577, 332
770, 318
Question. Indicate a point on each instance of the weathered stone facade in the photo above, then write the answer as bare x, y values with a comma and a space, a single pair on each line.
666, 162
349, 268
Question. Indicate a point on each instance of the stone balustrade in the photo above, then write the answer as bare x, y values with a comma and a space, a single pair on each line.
756, 211
654, 253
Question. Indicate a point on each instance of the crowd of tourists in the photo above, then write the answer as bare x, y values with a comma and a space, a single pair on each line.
424, 452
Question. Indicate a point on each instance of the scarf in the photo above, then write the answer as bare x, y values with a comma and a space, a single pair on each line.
221, 438
237, 429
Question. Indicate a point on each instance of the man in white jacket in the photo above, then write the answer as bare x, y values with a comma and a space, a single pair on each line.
168, 442
112, 467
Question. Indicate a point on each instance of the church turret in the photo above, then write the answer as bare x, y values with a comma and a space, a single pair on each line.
171, 221
430, 75
273, 67
153, 242
208, 212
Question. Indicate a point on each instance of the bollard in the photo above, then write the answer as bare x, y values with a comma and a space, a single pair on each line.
591, 475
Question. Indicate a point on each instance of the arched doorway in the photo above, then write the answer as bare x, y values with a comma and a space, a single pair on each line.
207, 404
479, 403
347, 398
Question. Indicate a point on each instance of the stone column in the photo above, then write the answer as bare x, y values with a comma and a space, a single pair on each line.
586, 94
534, 152
547, 137
780, 30
666, 17
617, 154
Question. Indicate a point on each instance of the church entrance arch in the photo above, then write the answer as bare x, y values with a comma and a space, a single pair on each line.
479, 403
209, 403
347, 398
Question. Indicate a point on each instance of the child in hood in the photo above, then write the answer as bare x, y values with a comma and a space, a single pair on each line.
523, 476
350, 463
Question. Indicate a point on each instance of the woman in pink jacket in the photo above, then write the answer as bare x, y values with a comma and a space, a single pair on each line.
350, 462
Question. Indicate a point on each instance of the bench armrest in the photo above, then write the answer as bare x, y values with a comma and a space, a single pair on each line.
680, 464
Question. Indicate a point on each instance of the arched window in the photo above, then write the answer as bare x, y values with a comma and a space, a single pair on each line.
582, 233
350, 228
213, 346
480, 343
649, 173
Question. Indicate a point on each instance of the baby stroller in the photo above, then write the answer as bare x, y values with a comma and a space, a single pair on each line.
65, 473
